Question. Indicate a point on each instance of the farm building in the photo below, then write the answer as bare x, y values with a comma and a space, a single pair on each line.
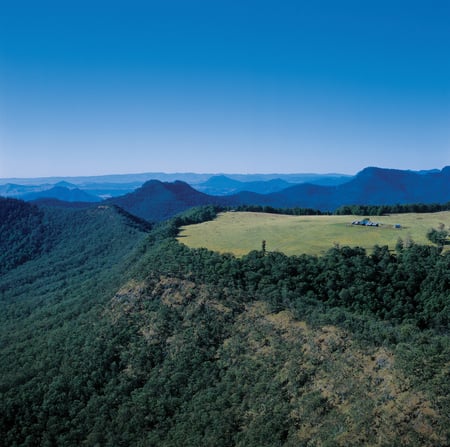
366, 222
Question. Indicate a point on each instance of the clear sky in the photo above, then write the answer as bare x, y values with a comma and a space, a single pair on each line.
90, 87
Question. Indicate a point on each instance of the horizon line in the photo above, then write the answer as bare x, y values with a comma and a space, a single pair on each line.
59, 176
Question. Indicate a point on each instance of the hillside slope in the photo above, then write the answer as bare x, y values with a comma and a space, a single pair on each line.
22, 233
120, 336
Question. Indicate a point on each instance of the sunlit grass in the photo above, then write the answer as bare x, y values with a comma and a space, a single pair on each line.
241, 232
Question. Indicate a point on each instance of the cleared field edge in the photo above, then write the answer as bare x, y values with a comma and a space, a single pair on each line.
240, 232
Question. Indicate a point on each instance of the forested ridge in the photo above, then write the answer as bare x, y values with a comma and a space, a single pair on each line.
113, 333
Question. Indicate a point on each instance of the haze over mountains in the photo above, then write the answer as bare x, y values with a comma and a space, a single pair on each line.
371, 186
157, 200
107, 186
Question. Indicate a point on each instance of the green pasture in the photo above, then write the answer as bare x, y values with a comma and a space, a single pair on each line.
241, 232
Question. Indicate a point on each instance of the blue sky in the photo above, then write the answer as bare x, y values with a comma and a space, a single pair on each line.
89, 88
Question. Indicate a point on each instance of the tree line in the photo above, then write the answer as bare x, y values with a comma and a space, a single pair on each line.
358, 210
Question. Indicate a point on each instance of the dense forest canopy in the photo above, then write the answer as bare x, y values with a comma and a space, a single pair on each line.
112, 333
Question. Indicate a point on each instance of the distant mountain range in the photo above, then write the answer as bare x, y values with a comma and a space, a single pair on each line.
371, 186
156, 200
62, 193
66, 191
221, 185
104, 187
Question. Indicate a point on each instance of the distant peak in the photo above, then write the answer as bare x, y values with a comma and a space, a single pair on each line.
64, 184
373, 171
153, 182
221, 180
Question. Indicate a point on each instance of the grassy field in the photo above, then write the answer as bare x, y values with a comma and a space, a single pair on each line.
241, 232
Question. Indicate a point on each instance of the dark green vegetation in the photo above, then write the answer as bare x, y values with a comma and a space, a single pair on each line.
115, 334
438, 236
380, 210
348, 210
22, 233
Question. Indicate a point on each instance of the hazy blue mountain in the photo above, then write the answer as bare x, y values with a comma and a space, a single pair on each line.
62, 190
18, 191
222, 185
371, 186
329, 180
428, 171
316, 179
390, 186
304, 196
108, 190
108, 186
62, 193
156, 200
64, 184
188, 177
114, 179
